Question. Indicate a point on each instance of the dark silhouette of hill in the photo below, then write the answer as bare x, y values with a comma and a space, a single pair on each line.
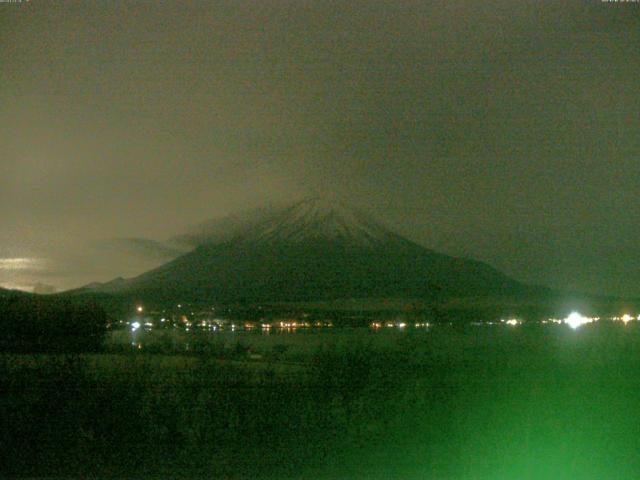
49, 323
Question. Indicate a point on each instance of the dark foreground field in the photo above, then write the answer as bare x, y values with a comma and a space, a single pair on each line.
471, 403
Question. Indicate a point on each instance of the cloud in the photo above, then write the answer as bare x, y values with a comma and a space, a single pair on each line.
21, 263
142, 248
445, 117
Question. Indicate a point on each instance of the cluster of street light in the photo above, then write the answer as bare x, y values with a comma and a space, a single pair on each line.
400, 325
574, 320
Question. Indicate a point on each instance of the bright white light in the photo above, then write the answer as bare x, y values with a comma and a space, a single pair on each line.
402, 325
626, 318
575, 320
16, 286
135, 326
20, 263
139, 308
513, 322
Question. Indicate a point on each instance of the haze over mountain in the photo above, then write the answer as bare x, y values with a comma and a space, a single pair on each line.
487, 130
314, 249
145, 249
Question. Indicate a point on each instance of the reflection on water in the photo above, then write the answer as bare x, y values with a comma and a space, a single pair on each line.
203, 336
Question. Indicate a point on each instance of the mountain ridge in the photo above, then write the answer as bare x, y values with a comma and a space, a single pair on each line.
313, 249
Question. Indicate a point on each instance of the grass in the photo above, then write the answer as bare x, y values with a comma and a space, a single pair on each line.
470, 403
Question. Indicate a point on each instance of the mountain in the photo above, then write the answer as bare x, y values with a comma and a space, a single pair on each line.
308, 219
9, 294
315, 249
111, 286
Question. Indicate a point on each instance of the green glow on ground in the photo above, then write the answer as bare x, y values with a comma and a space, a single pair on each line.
532, 403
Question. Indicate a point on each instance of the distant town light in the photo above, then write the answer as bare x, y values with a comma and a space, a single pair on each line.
552, 320
139, 309
626, 318
575, 320
135, 326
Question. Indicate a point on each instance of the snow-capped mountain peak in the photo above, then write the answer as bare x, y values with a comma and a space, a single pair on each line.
318, 218
312, 218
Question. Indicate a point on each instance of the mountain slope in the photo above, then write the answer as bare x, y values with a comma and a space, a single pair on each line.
311, 250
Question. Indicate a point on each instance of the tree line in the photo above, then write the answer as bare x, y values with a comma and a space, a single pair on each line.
39, 324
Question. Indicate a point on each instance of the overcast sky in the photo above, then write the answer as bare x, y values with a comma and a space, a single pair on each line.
504, 130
